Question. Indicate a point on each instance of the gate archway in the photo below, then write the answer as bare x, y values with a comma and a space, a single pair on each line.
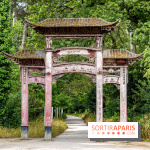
105, 65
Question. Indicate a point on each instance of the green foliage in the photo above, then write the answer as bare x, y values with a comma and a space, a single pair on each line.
91, 101
5, 44
64, 116
16, 34
146, 62
111, 100
71, 91
138, 87
12, 111
36, 101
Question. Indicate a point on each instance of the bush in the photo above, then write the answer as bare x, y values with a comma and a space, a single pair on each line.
64, 116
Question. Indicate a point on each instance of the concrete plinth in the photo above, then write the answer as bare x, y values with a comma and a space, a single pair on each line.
48, 133
24, 132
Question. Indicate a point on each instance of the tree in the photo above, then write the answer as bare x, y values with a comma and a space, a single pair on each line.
5, 44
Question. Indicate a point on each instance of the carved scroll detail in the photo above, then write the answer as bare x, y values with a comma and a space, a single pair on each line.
43, 86
117, 86
56, 77
92, 77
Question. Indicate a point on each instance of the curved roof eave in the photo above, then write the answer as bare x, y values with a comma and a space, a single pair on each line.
73, 22
107, 53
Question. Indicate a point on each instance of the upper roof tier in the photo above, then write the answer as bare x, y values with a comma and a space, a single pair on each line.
71, 26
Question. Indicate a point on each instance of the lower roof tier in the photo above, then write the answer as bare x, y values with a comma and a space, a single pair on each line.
110, 56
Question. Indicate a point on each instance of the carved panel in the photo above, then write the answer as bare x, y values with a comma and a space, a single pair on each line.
37, 79
99, 43
74, 52
49, 43
110, 64
74, 68
111, 79
57, 60
111, 70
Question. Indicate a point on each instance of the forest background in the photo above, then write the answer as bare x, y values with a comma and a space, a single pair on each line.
75, 91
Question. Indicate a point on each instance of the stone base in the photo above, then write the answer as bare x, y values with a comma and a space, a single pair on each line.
48, 133
24, 132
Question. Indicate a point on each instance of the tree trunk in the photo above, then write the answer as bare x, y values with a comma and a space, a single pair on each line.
14, 18
132, 46
25, 30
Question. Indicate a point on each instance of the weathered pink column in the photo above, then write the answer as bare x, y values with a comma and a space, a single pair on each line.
99, 81
123, 94
48, 89
24, 103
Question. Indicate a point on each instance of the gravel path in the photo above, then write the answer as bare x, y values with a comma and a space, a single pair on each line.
74, 138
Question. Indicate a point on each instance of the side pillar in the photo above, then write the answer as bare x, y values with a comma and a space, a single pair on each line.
24, 103
99, 81
123, 94
48, 90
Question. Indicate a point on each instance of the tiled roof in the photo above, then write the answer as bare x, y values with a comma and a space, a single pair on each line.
27, 54
119, 53
73, 22
40, 54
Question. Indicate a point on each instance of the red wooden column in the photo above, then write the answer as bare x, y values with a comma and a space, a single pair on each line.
99, 81
24, 103
123, 94
48, 89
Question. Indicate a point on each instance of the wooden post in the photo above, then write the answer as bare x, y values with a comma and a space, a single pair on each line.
123, 94
48, 90
99, 81
24, 103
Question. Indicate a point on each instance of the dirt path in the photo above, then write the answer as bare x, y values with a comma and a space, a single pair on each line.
74, 138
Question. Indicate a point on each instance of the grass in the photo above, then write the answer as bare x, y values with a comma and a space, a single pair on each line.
9, 133
36, 129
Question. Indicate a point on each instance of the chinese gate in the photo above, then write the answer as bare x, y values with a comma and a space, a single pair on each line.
104, 65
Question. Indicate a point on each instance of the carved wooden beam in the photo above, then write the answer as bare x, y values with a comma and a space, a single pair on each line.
74, 68
37, 79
